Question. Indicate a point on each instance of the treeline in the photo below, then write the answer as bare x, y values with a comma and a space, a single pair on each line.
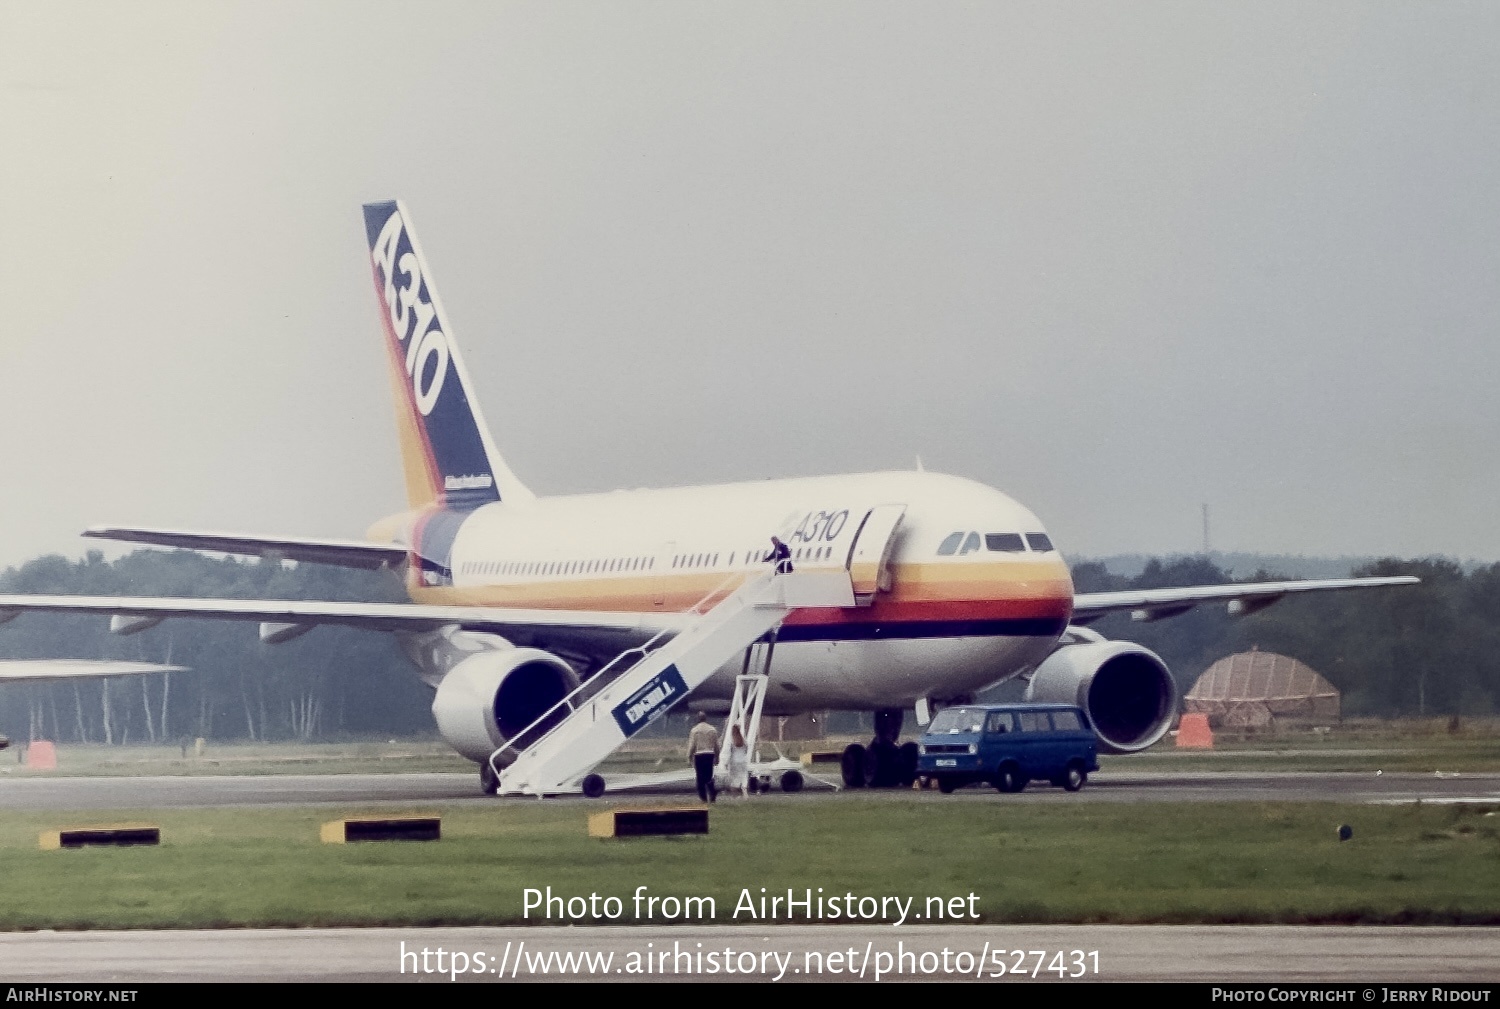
1428, 649
331, 683
1432, 649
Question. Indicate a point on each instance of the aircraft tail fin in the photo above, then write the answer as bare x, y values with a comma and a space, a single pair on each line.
447, 454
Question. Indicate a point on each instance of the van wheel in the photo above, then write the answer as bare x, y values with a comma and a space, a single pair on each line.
593, 786
1074, 777
946, 785
1009, 779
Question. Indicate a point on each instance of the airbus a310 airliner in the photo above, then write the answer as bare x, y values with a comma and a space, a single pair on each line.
516, 599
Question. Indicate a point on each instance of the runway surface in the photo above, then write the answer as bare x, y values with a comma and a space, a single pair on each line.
375, 789
1364, 957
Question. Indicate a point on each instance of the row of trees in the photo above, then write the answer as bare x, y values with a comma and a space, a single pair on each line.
1423, 650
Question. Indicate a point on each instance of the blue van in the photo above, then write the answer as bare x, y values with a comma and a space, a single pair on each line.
1009, 745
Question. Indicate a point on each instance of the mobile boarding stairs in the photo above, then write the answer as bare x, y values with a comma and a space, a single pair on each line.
659, 675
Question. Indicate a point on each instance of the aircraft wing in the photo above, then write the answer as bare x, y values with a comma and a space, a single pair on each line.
1243, 597
604, 634
23, 670
345, 553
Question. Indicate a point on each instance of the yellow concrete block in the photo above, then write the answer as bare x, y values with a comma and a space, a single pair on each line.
381, 828
649, 821
105, 834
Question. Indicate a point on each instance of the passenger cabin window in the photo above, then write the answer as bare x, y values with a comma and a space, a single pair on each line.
1066, 721
971, 544
949, 546
1032, 721
1039, 542
1005, 543
999, 721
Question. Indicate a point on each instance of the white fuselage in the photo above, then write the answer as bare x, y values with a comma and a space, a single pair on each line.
947, 616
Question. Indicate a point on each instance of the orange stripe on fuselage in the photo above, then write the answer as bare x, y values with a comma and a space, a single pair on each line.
951, 591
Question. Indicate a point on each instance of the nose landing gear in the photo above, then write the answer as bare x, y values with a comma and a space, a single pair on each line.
886, 762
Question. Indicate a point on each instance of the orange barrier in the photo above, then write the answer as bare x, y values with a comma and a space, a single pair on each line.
1193, 732
41, 755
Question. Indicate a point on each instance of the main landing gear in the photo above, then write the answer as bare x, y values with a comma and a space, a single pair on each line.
886, 762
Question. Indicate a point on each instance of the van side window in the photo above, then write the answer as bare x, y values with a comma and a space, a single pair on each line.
970, 545
1032, 721
999, 721
950, 545
1066, 721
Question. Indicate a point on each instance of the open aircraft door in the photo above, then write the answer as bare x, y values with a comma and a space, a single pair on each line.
872, 550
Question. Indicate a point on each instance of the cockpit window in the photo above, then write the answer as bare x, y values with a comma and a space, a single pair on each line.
970, 544
1009, 543
1039, 542
951, 721
950, 545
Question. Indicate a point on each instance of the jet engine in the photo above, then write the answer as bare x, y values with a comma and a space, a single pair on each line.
1126, 689
490, 697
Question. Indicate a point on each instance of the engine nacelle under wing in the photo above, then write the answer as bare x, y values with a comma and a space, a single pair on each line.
1127, 690
488, 698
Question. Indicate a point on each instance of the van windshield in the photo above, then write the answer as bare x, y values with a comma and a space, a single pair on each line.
951, 721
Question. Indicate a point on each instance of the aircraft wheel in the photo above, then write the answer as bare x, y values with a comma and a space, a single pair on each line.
593, 786
791, 781
882, 764
906, 764
853, 766
489, 781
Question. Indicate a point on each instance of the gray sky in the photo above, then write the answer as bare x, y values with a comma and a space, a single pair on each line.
1115, 259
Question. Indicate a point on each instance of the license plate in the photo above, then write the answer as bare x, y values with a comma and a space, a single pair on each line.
950, 762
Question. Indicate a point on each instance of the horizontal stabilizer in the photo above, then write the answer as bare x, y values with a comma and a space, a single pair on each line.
344, 553
24, 670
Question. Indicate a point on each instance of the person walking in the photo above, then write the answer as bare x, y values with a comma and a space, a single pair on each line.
739, 761
703, 751
781, 556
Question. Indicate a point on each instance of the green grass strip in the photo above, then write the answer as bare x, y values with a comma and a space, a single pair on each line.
1031, 862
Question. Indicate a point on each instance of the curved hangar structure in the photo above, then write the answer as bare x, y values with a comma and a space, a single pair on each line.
1254, 689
